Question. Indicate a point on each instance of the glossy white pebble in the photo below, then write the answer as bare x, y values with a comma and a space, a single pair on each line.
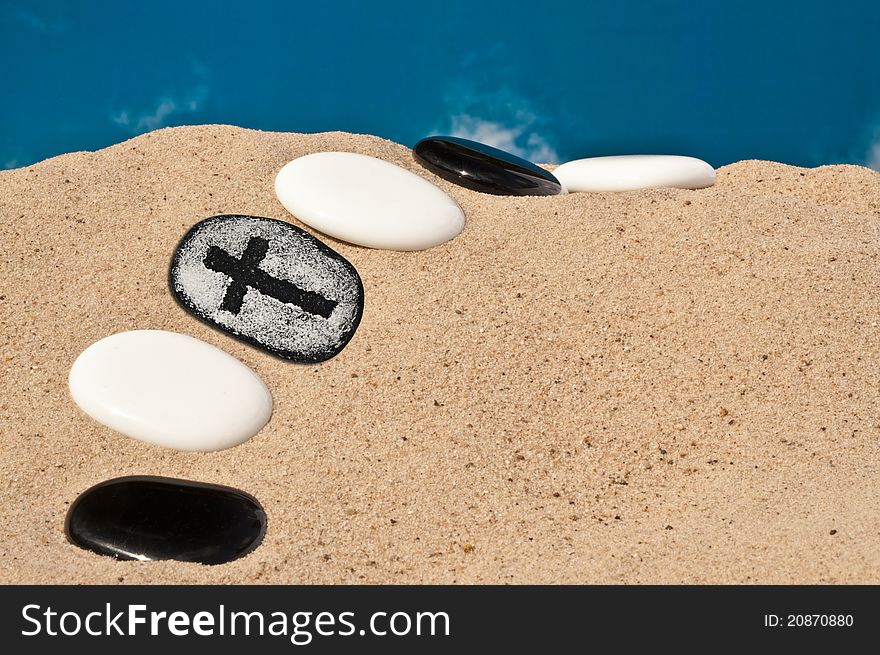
171, 390
632, 172
367, 201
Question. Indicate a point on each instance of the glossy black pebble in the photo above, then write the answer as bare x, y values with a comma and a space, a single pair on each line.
483, 168
270, 284
153, 518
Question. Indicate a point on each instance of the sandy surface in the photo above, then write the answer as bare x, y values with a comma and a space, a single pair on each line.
662, 386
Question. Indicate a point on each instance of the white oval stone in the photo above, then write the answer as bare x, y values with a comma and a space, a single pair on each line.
632, 172
367, 201
171, 390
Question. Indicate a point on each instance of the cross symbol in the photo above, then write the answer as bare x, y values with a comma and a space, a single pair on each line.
244, 272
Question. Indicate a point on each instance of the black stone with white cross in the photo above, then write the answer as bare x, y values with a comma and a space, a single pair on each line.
270, 284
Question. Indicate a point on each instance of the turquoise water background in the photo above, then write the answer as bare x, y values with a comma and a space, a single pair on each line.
797, 82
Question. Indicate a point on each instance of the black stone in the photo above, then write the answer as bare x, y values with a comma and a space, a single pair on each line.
153, 518
483, 168
270, 284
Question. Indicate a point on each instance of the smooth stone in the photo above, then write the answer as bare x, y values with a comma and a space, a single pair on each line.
632, 172
483, 168
171, 390
152, 518
367, 201
270, 284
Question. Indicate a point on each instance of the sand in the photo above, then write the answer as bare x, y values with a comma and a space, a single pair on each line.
662, 386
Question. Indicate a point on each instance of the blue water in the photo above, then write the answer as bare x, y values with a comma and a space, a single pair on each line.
797, 82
